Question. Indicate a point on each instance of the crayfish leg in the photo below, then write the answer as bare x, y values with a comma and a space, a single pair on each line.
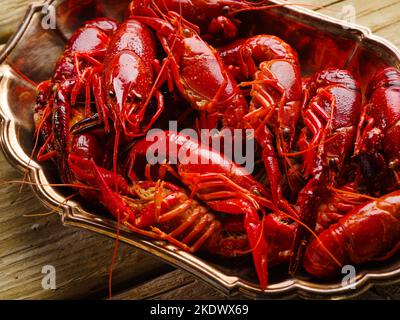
255, 233
309, 201
258, 244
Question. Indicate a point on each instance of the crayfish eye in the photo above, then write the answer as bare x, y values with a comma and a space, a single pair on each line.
393, 164
138, 97
286, 134
111, 94
186, 32
333, 162
134, 98
225, 9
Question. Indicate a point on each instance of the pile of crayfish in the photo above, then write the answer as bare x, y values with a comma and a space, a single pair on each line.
324, 189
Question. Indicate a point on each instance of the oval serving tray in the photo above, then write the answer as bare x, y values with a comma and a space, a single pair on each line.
30, 55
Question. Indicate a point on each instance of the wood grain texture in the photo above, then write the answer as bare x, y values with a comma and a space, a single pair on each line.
81, 258
382, 17
11, 12
177, 284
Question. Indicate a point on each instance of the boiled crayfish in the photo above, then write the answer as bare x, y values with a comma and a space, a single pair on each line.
117, 82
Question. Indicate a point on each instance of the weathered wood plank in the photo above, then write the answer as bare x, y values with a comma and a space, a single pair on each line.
81, 259
177, 284
375, 21
381, 17
390, 33
11, 13
362, 8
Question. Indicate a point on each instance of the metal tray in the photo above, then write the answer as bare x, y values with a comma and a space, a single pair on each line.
30, 55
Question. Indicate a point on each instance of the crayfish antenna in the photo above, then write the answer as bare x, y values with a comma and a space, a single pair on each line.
353, 194
55, 210
272, 6
107, 193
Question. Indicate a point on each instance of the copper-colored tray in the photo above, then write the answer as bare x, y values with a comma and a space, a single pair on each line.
321, 41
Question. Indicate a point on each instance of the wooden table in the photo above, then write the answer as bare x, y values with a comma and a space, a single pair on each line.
82, 258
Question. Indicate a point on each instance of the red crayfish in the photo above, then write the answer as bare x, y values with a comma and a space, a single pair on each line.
117, 82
